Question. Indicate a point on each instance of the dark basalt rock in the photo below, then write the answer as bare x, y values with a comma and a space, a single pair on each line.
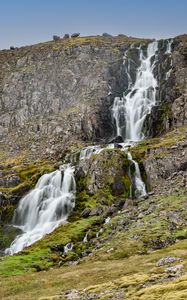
107, 35
66, 36
56, 38
117, 140
86, 212
3, 200
117, 146
118, 187
74, 35
96, 212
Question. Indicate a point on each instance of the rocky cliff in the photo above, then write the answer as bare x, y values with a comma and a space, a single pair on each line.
57, 90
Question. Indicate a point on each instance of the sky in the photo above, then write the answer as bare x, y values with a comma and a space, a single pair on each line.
26, 22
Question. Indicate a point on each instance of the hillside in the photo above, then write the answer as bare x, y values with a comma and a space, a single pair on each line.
58, 106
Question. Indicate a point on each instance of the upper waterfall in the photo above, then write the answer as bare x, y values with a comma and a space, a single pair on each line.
130, 111
44, 208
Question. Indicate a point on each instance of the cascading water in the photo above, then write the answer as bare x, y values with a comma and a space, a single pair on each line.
140, 190
168, 52
87, 152
130, 111
44, 208
50, 203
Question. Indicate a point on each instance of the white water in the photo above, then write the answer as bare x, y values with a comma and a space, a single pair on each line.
50, 203
87, 152
168, 49
130, 111
44, 208
140, 190
168, 52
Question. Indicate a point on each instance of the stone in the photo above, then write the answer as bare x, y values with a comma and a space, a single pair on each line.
86, 213
129, 203
109, 211
66, 36
37, 267
107, 35
119, 203
96, 212
118, 146
117, 139
118, 187
3, 200
151, 193
167, 260
174, 269
140, 216
86, 252
56, 38
175, 219
110, 250
74, 35
58, 248
122, 35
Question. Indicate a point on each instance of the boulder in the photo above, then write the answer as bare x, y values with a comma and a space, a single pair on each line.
86, 213
74, 35
122, 35
120, 203
3, 200
175, 269
117, 139
107, 35
118, 146
66, 36
56, 38
118, 187
167, 260
96, 212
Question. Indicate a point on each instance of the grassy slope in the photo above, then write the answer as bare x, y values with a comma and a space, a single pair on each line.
131, 264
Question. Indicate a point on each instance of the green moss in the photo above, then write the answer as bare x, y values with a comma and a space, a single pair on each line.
28, 174
7, 235
41, 254
128, 185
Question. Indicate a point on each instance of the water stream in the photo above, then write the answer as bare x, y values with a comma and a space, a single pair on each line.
130, 111
44, 208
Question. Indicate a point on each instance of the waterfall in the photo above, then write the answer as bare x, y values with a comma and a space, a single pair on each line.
140, 190
87, 152
168, 52
44, 208
168, 47
130, 111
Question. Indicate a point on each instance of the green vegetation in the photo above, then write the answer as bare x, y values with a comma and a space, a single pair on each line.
123, 256
163, 144
129, 252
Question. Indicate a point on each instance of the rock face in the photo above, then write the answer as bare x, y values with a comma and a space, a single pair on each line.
54, 91
171, 108
105, 171
60, 91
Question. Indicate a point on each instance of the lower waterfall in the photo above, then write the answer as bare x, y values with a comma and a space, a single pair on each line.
44, 208
140, 189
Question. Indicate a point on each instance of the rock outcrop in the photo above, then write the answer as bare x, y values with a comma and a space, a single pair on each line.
52, 92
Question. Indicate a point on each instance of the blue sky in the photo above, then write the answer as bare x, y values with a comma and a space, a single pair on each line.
25, 22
